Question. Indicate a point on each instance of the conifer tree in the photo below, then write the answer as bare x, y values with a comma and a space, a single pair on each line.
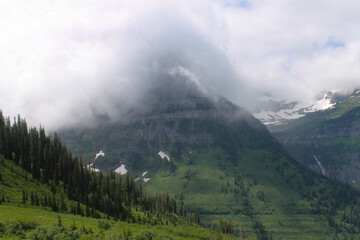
23, 197
32, 199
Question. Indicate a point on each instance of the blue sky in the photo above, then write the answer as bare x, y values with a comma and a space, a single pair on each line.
64, 60
335, 43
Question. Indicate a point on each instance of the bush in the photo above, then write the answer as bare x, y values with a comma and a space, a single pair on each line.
104, 225
2, 227
38, 234
150, 235
54, 233
28, 224
14, 228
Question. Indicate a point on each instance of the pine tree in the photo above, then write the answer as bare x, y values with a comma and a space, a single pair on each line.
54, 206
32, 199
78, 208
23, 197
45, 201
87, 211
59, 221
36, 199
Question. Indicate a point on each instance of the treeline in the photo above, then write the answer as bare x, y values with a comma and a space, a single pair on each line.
49, 161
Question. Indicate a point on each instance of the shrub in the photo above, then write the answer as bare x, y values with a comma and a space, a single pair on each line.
14, 228
55, 233
60, 233
28, 224
150, 235
38, 234
104, 225
2, 227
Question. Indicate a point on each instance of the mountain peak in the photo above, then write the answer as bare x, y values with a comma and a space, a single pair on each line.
179, 94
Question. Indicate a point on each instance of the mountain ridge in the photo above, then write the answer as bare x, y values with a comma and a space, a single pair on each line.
277, 114
330, 135
224, 162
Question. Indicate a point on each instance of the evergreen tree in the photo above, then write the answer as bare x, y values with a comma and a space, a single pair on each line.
49, 161
59, 221
32, 199
23, 197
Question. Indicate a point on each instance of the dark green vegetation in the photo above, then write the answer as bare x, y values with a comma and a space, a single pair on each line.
224, 163
49, 162
262, 190
332, 136
42, 176
37, 223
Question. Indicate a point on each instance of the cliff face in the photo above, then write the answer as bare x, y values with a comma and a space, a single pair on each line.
175, 119
215, 156
335, 141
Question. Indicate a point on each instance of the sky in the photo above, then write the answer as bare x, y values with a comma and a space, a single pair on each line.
67, 62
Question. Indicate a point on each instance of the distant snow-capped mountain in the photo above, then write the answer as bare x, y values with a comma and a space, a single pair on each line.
273, 112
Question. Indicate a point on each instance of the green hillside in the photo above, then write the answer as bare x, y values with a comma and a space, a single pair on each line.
37, 223
262, 187
224, 163
332, 136
32, 209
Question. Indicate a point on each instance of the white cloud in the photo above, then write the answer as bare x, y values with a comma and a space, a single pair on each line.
62, 62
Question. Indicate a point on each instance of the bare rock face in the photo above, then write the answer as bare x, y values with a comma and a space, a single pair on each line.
335, 141
175, 116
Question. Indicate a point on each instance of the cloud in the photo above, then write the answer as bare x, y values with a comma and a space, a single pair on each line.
64, 62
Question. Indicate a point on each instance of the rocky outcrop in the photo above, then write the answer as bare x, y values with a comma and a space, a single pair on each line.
335, 141
178, 119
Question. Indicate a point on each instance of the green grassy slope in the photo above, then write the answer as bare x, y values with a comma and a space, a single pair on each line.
252, 191
243, 175
19, 220
15, 181
26, 223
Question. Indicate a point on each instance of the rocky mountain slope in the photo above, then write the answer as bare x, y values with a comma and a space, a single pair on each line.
329, 137
174, 117
219, 160
276, 114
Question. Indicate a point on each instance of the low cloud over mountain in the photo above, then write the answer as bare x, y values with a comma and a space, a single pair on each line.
67, 62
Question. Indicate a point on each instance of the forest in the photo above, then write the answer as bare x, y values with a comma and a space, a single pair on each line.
49, 161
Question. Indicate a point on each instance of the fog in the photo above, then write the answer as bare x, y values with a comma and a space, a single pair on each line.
67, 63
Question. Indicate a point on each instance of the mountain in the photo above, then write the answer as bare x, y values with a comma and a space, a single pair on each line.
219, 160
276, 114
328, 141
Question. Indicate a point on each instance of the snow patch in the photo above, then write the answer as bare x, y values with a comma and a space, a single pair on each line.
146, 179
276, 112
121, 170
274, 118
322, 104
164, 155
92, 169
101, 153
